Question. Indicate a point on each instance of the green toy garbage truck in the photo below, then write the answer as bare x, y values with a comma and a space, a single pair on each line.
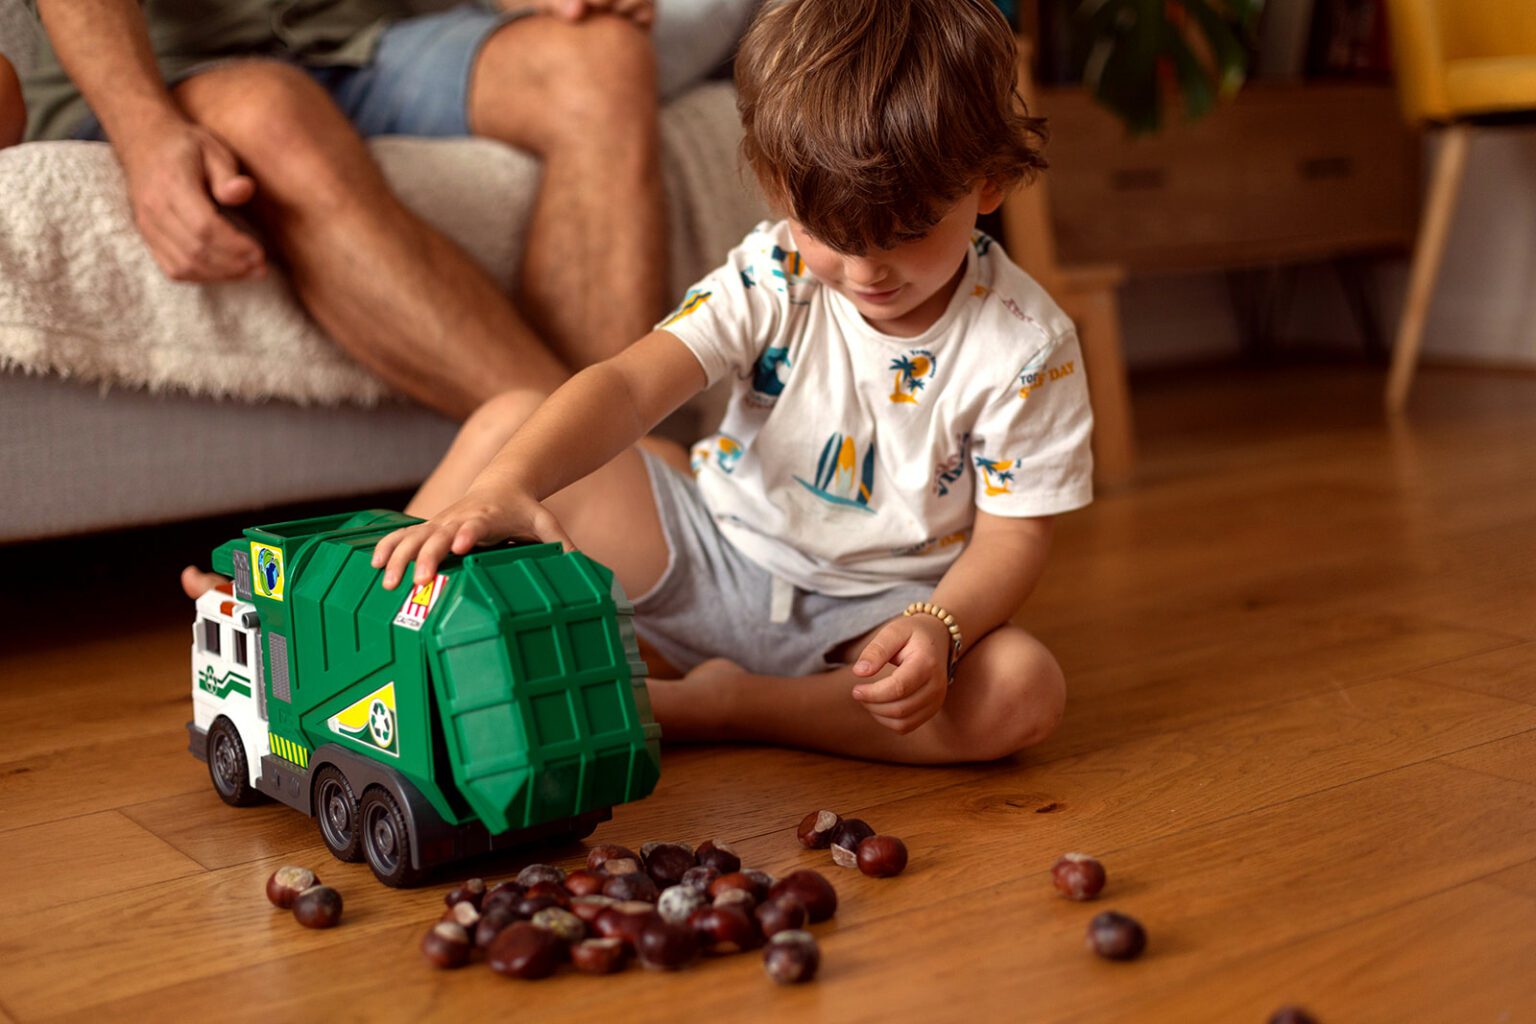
502, 703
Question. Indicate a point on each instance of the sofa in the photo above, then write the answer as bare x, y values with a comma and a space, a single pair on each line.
128, 399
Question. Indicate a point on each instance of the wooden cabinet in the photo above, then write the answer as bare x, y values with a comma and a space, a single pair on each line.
1284, 172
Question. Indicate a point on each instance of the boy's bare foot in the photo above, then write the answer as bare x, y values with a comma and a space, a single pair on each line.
195, 582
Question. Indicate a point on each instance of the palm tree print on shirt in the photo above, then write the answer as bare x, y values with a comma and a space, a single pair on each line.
997, 474
913, 371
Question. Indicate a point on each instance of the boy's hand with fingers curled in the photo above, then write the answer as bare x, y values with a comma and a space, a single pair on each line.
457, 529
918, 645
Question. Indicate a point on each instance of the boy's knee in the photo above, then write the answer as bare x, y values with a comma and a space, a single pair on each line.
1028, 694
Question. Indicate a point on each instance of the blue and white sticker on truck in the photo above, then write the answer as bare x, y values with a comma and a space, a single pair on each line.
370, 722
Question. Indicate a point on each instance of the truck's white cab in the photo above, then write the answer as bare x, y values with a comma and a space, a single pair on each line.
226, 673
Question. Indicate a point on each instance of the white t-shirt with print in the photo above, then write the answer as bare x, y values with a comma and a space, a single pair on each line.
850, 460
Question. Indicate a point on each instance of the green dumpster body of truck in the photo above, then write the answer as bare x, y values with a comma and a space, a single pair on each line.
520, 701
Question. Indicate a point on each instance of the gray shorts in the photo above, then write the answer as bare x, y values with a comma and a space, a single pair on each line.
712, 601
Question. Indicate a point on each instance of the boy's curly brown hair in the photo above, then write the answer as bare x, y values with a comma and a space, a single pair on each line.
867, 119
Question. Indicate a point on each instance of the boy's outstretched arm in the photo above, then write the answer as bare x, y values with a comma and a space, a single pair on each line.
983, 589
590, 419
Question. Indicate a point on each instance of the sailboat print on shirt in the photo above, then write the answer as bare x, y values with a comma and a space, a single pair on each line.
840, 478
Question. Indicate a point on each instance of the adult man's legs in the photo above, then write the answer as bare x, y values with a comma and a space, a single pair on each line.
582, 97
397, 295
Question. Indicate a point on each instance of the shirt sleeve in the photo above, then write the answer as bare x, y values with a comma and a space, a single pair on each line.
727, 318
1030, 447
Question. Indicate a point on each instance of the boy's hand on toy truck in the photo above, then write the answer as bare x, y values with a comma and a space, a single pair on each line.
918, 645
457, 529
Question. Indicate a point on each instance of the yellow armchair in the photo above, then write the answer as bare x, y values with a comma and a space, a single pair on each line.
1458, 62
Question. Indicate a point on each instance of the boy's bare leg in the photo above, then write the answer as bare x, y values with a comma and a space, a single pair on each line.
1008, 694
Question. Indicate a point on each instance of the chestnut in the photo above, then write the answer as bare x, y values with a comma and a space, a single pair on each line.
504, 893
463, 914
620, 866
783, 914
446, 945
634, 886
287, 882
816, 828
882, 856
548, 890
678, 902
664, 946
319, 906
741, 899
701, 877
1078, 876
713, 853
535, 873
762, 878
666, 862
598, 855
812, 889
495, 918
740, 880
588, 907
846, 839
1291, 1015
625, 921
584, 882
724, 929
471, 891
526, 907
563, 924
524, 951
791, 957
1115, 936
599, 956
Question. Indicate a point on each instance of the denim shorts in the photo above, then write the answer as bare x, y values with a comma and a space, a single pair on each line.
714, 602
416, 84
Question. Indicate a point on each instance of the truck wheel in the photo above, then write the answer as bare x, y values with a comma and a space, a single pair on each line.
336, 812
387, 839
227, 766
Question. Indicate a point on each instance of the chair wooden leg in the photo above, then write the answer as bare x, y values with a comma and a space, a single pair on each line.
1427, 253
1097, 315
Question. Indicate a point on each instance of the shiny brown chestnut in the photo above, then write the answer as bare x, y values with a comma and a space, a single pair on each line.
524, 951
846, 840
678, 902
471, 891
812, 889
1292, 1015
762, 878
319, 906
621, 866
526, 907
717, 854
1078, 876
739, 880
786, 913
741, 899
725, 930
563, 924
816, 828
446, 945
584, 882
535, 873
463, 914
667, 862
598, 855
600, 956
550, 891
588, 907
625, 921
1115, 936
636, 885
791, 957
701, 877
496, 917
504, 893
287, 882
882, 856
663, 946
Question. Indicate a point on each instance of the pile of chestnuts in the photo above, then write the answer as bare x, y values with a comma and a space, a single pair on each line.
1112, 935
297, 889
853, 844
665, 907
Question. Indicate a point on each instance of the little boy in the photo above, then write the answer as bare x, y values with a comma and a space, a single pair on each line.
908, 411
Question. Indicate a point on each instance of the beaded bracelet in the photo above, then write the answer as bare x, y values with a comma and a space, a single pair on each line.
928, 608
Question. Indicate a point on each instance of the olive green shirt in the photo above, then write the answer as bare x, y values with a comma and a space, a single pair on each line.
186, 34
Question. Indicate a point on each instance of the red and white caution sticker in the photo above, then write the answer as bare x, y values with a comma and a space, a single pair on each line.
420, 602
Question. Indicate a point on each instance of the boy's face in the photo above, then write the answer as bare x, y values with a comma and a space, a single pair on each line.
903, 290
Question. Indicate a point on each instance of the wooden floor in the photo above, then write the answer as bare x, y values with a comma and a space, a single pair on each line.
1302, 737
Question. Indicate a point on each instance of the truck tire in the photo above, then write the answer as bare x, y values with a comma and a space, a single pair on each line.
386, 835
227, 766
336, 814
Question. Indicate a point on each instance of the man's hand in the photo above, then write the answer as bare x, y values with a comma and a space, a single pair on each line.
457, 529
176, 174
918, 645
641, 12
